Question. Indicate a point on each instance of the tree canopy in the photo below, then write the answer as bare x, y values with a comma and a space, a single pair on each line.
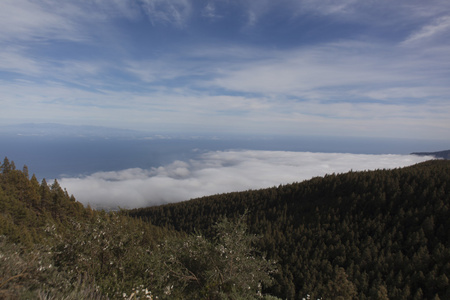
380, 234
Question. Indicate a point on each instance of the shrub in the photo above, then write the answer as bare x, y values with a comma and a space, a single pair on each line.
227, 267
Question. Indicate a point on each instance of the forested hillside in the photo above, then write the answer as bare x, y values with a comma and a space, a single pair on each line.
360, 235
381, 234
51, 247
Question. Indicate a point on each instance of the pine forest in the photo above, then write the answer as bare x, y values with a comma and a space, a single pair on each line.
382, 234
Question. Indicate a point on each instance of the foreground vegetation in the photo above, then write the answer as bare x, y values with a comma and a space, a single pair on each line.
361, 235
51, 247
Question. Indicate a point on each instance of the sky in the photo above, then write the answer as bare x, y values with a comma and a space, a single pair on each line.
304, 67
217, 172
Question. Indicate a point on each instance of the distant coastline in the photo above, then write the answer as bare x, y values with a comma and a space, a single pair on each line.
439, 154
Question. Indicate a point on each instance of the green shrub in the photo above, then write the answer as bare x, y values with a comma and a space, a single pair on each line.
227, 267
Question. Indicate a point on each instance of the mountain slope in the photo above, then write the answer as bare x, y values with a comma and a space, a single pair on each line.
51, 247
376, 234
54, 248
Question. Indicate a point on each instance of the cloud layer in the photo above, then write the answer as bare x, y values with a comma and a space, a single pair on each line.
219, 172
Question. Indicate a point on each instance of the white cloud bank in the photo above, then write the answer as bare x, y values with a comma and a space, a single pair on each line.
219, 172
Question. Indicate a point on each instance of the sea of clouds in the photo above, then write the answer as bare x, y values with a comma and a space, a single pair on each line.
218, 172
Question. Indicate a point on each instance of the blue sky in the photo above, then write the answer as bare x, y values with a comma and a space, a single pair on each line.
340, 68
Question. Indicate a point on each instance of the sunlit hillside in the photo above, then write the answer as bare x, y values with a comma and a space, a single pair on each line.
360, 235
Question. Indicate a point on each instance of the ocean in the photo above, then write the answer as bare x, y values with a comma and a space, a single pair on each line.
59, 157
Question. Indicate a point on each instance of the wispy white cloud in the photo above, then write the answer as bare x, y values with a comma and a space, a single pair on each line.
399, 14
409, 92
13, 60
35, 21
173, 109
439, 27
342, 7
219, 172
159, 69
130, 10
209, 11
340, 69
174, 12
346, 72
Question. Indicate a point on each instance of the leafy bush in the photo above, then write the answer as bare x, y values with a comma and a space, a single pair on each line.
227, 267
32, 275
111, 248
